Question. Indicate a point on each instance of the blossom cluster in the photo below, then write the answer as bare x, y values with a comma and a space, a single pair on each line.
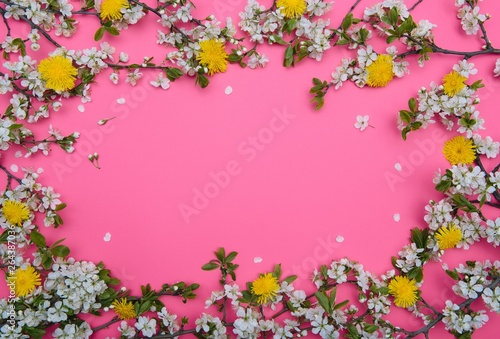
301, 19
454, 102
468, 13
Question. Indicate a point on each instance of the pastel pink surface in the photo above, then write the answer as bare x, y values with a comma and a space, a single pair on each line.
282, 180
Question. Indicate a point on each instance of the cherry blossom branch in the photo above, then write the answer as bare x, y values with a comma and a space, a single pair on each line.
106, 325
156, 12
481, 26
38, 28
415, 5
10, 176
17, 88
3, 11
425, 330
437, 49
478, 161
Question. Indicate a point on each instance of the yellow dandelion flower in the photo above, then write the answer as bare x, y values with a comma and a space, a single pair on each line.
292, 8
15, 212
380, 71
404, 291
124, 309
213, 56
453, 83
58, 73
448, 237
112, 9
25, 280
459, 150
265, 287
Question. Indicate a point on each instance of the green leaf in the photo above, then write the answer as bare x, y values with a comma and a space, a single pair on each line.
391, 38
341, 42
99, 33
142, 307
333, 295
341, 304
46, 260
416, 125
453, 274
276, 38
60, 251
476, 85
60, 207
363, 35
393, 16
231, 256
419, 237
233, 57
277, 271
89, 3
113, 31
412, 103
290, 279
174, 73
289, 52
38, 239
323, 301
383, 290
443, 185
202, 80
464, 204
370, 328
289, 26
58, 242
317, 82
405, 132
34, 333
220, 254
352, 332
405, 116
210, 266
347, 22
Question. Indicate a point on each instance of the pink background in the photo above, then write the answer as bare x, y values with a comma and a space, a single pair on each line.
315, 179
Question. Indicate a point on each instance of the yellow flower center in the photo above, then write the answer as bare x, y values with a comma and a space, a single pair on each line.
25, 281
15, 212
459, 150
292, 8
58, 73
112, 9
404, 291
265, 287
448, 237
380, 71
213, 56
124, 309
453, 83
